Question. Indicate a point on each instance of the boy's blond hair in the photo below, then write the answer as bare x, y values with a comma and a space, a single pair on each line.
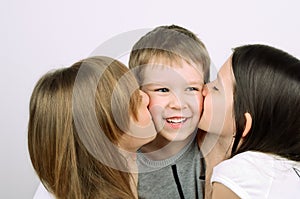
169, 44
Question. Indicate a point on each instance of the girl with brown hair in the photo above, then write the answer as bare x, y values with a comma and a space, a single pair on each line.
86, 123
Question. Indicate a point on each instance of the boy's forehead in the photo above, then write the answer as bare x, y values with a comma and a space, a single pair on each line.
165, 63
170, 61
171, 71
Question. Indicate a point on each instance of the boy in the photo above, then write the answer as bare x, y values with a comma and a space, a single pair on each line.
171, 65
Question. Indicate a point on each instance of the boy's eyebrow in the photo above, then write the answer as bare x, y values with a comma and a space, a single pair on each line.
155, 84
195, 82
166, 84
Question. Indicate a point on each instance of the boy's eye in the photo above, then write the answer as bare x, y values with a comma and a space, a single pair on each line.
192, 89
163, 90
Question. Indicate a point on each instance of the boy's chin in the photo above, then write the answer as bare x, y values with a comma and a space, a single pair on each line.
176, 137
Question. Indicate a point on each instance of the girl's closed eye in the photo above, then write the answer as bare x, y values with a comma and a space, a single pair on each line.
215, 88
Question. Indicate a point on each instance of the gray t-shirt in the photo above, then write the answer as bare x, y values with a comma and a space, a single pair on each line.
180, 176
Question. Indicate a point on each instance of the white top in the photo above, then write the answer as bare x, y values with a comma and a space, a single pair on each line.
259, 175
42, 193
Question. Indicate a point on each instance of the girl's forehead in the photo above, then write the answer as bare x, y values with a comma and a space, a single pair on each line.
226, 68
226, 75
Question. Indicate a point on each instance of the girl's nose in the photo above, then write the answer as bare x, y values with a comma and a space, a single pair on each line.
205, 90
145, 97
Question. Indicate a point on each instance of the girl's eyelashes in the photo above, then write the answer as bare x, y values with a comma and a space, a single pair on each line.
215, 88
163, 90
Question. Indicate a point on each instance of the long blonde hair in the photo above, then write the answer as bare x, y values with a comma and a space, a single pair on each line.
68, 151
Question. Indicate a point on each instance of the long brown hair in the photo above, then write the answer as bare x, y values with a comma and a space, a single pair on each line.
268, 87
72, 133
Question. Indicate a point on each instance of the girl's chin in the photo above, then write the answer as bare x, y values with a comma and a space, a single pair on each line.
204, 125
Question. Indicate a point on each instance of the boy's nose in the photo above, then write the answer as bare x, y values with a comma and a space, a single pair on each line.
176, 101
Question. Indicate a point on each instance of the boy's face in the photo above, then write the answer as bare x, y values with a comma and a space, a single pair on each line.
175, 98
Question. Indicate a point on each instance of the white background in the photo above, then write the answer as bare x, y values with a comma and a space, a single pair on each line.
37, 36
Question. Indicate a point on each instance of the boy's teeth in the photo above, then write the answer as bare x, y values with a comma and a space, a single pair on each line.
176, 120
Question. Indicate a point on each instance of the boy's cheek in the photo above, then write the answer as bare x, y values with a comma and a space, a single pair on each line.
197, 103
155, 105
155, 100
156, 112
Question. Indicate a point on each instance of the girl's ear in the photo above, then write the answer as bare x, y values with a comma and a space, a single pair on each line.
248, 124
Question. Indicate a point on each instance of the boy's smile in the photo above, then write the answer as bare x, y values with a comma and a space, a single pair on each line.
175, 122
175, 98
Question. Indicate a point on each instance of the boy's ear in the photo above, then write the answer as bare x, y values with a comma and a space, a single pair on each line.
248, 124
